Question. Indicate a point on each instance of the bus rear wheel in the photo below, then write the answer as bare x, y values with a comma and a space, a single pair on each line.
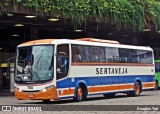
136, 92
137, 89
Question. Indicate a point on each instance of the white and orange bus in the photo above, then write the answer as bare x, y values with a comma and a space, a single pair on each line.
52, 69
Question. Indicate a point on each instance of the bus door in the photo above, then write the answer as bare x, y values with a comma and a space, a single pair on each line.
62, 61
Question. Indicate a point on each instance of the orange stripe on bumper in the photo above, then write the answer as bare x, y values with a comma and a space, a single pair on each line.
68, 91
49, 94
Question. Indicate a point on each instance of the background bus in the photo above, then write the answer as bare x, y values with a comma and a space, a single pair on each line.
78, 68
157, 73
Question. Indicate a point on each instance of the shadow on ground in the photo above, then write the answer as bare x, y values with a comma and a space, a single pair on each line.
68, 101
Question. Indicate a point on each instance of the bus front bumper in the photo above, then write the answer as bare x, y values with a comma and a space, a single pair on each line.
48, 94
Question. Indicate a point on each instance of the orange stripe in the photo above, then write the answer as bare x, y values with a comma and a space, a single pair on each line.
147, 85
110, 88
66, 92
130, 86
108, 64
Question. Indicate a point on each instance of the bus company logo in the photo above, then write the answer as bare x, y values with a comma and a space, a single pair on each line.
111, 71
6, 108
30, 87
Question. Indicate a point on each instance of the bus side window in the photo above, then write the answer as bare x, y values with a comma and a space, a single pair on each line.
109, 60
135, 60
96, 58
62, 60
77, 58
129, 60
124, 59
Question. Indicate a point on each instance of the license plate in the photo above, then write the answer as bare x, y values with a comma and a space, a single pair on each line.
31, 96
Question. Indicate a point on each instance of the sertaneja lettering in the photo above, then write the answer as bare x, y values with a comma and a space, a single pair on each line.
111, 71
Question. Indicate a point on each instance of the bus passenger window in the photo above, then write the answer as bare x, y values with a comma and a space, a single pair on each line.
80, 53
124, 59
77, 58
109, 60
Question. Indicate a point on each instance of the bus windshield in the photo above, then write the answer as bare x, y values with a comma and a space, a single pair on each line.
34, 64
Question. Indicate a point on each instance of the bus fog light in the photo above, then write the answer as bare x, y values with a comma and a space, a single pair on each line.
44, 90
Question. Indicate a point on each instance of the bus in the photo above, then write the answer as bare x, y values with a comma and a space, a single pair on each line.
157, 70
52, 69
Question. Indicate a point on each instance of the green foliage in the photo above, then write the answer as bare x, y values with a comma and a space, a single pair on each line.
4, 5
137, 14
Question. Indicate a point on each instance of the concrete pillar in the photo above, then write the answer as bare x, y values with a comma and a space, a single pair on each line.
11, 77
1, 79
0, 71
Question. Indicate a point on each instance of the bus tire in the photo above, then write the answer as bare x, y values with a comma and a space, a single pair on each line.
46, 101
137, 90
80, 94
156, 85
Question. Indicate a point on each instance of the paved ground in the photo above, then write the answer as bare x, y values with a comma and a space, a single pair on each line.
98, 103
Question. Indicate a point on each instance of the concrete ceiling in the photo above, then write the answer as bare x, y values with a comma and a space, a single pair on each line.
65, 29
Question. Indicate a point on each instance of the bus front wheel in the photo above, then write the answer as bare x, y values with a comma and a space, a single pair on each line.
80, 94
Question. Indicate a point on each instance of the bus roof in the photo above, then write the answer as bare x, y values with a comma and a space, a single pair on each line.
49, 41
84, 41
40, 41
98, 40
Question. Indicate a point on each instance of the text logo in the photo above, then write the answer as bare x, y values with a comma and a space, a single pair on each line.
6, 108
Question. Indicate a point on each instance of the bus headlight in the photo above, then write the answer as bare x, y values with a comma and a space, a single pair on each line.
47, 88
44, 90
18, 89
